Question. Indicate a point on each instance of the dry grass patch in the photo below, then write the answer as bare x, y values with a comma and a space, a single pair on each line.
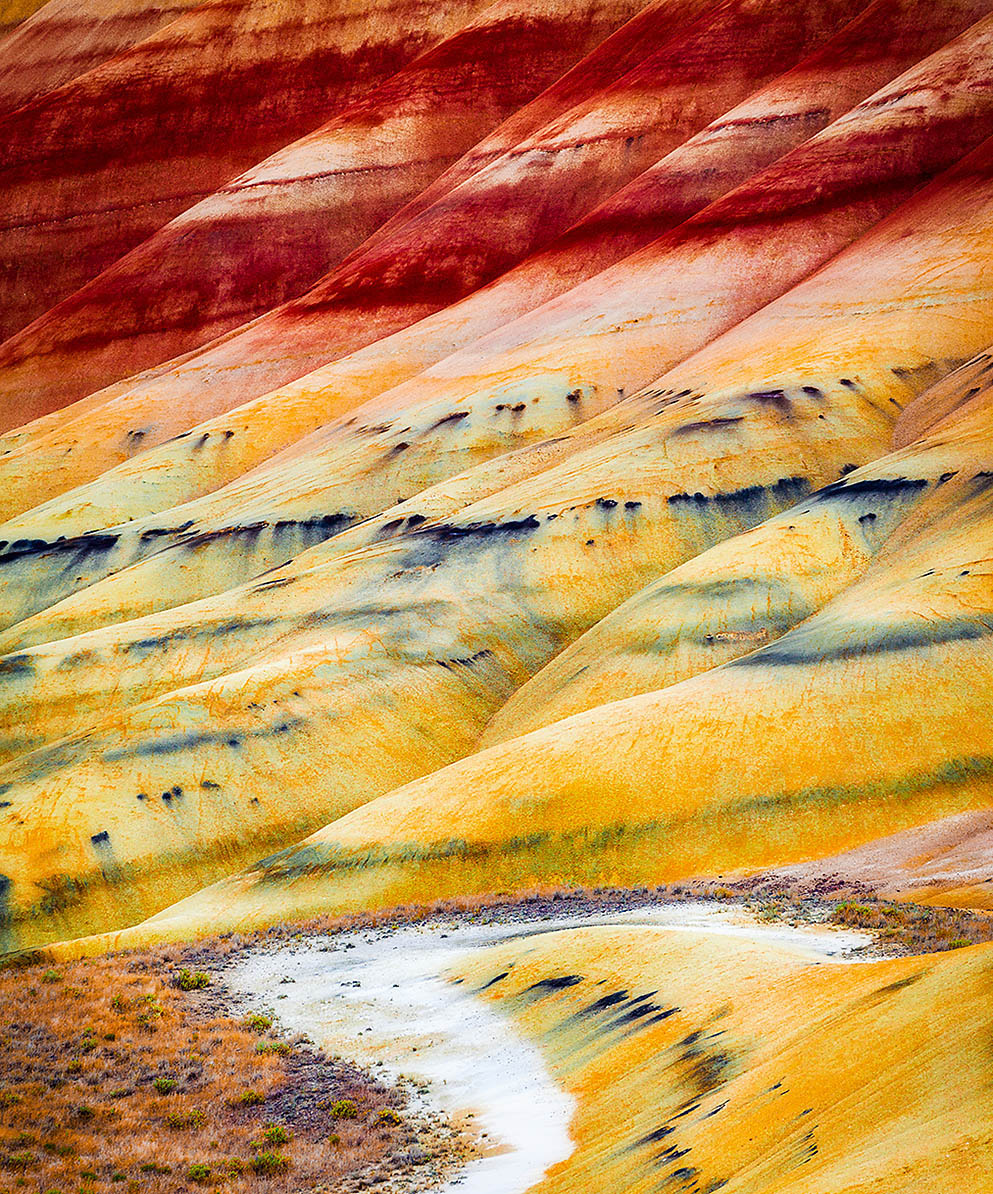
126, 1074
898, 927
916, 928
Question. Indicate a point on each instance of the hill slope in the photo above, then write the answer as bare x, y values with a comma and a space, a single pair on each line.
460, 449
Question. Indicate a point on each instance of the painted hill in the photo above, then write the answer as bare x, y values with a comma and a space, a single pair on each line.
866, 587
95, 434
452, 450
636, 296
717, 1064
58, 42
503, 211
267, 233
93, 167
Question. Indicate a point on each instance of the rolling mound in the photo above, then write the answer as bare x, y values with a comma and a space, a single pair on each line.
266, 233
718, 1065
93, 167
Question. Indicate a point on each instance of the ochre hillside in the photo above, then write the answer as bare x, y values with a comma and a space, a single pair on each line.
715, 1064
464, 448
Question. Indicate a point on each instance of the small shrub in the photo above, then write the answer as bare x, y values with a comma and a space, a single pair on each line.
279, 1047
334, 1139
85, 1111
165, 1085
257, 1023
153, 1167
186, 1119
199, 1173
149, 1014
268, 1163
21, 1160
248, 1098
51, 976
959, 943
850, 913
74, 1066
8, 1098
275, 1134
389, 1116
191, 980
343, 1109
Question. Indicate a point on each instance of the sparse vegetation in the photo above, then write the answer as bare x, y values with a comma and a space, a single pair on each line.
126, 1074
194, 1118
277, 1134
897, 926
191, 980
268, 1163
17, 1160
342, 1109
915, 928
281, 1048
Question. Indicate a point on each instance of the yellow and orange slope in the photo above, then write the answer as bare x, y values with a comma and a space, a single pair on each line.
575, 467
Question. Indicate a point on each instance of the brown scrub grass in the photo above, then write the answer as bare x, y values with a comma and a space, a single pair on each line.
114, 1079
916, 928
897, 926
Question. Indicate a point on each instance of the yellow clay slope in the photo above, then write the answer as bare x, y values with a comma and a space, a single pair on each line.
446, 620
748, 591
705, 1063
830, 736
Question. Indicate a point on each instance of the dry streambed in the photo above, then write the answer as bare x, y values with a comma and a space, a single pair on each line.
385, 999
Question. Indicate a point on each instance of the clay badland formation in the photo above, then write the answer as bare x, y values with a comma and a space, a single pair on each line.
461, 448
